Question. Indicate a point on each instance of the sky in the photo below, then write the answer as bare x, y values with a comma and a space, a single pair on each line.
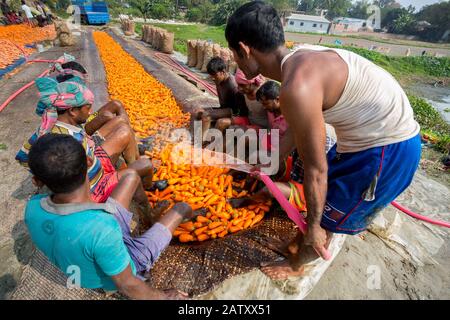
416, 3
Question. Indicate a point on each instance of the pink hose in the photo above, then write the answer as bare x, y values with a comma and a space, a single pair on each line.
292, 212
420, 217
15, 94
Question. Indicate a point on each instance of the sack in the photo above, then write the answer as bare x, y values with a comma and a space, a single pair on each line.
66, 40
155, 40
167, 42
200, 45
207, 56
151, 32
232, 67
130, 28
225, 55
216, 50
192, 53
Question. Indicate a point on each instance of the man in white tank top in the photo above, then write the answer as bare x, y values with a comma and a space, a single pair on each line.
378, 142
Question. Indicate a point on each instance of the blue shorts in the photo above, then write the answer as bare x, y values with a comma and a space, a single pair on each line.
145, 249
361, 184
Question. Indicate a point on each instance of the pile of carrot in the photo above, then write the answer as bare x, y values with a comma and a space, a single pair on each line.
153, 111
150, 105
205, 187
14, 36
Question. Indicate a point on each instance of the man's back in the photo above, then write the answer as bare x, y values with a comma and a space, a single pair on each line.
80, 236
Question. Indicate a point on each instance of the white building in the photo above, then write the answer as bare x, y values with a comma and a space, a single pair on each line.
344, 24
306, 23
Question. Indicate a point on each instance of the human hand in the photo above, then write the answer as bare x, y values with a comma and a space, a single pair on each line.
183, 209
316, 237
173, 294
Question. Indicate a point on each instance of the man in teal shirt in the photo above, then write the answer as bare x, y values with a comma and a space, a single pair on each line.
75, 232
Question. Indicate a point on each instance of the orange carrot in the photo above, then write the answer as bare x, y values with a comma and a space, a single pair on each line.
201, 230
185, 237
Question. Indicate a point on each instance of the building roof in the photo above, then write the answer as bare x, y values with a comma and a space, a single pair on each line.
305, 17
350, 20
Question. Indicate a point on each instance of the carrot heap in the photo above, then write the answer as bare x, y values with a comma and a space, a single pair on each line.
206, 187
20, 35
150, 105
153, 111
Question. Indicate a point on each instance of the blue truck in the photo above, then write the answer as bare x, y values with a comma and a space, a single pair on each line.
92, 12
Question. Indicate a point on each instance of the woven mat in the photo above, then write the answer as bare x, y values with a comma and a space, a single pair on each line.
199, 268
194, 269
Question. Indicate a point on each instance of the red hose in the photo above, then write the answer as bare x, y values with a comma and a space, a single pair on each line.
15, 94
420, 217
175, 64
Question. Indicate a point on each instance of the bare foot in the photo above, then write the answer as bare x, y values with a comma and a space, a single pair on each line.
281, 270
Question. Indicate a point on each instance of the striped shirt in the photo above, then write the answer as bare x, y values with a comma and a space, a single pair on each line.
95, 171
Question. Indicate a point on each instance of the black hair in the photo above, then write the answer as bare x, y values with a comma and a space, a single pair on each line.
64, 77
23, 2
74, 66
59, 161
215, 65
269, 90
256, 24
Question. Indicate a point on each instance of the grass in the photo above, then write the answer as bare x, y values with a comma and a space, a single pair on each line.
187, 32
431, 123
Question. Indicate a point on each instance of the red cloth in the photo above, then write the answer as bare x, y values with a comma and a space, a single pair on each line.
108, 181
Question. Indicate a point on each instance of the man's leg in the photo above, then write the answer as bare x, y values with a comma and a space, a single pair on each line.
119, 139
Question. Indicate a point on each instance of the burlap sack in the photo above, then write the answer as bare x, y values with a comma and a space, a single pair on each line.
150, 35
61, 27
130, 28
232, 67
216, 50
167, 40
200, 45
192, 53
144, 32
66, 40
155, 38
207, 56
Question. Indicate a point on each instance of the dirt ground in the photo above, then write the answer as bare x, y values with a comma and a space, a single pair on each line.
395, 49
413, 259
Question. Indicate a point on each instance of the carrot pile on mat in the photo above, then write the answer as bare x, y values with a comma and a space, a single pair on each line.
21, 35
152, 109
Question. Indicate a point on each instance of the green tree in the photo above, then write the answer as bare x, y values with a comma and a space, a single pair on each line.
438, 15
224, 10
335, 8
359, 10
142, 6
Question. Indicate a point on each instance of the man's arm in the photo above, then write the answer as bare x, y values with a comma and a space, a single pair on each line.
106, 113
301, 103
135, 288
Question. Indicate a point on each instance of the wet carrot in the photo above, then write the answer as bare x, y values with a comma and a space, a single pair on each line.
202, 219
216, 230
185, 237
201, 230
214, 225
203, 237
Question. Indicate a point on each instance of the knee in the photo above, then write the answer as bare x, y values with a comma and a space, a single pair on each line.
124, 133
118, 104
131, 176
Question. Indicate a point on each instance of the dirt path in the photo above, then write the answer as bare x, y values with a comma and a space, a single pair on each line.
395, 49
17, 122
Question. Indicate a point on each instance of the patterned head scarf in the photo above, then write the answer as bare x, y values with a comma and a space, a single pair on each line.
59, 69
56, 96
242, 80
